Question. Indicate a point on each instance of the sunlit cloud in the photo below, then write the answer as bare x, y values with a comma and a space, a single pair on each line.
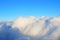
42, 28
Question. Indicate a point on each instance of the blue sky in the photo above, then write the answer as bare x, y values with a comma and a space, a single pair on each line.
11, 9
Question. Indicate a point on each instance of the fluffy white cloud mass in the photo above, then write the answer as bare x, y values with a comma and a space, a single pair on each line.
43, 28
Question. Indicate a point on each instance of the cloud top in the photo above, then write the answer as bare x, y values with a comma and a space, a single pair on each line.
42, 28
33, 26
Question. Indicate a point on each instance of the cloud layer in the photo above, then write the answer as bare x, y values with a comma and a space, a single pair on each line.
43, 28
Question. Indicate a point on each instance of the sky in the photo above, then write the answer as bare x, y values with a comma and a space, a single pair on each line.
11, 9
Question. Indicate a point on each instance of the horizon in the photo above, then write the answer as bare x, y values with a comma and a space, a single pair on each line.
10, 19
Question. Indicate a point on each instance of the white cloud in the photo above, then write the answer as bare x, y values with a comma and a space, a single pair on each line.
42, 26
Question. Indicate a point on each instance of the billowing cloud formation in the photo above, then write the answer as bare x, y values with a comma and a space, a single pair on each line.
32, 28
45, 27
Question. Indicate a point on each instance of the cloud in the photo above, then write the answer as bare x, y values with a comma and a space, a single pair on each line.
43, 28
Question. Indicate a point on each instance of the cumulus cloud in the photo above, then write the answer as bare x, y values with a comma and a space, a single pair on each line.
32, 28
